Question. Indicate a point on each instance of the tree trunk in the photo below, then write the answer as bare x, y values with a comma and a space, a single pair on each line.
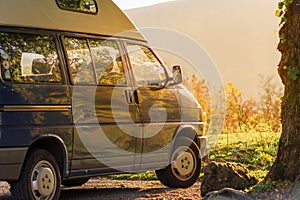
287, 164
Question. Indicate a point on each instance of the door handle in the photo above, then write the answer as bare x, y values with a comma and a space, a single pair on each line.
128, 96
136, 97
131, 96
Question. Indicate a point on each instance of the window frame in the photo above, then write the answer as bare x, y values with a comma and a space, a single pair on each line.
79, 11
30, 31
71, 80
133, 42
95, 37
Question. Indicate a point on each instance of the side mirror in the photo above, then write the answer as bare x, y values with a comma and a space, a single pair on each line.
177, 75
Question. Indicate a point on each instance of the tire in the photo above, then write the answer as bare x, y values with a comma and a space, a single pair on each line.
185, 166
40, 178
75, 182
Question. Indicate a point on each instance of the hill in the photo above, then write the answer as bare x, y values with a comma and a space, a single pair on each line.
239, 36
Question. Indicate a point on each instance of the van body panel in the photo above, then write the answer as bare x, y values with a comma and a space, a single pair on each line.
106, 132
190, 108
159, 105
157, 145
159, 109
11, 160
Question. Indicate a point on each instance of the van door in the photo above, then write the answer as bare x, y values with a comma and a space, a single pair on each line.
105, 114
158, 105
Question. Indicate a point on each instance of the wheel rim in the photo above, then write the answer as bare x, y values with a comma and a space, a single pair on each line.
43, 180
183, 163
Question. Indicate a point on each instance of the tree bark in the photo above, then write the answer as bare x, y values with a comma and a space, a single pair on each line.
287, 163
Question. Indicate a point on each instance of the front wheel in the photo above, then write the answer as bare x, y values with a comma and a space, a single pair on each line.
40, 178
185, 165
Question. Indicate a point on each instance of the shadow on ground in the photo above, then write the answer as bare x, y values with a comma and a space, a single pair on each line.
107, 189
112, 193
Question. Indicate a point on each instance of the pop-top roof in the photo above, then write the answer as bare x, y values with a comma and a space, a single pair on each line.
46, 14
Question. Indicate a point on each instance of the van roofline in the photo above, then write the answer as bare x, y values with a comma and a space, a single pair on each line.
110, 19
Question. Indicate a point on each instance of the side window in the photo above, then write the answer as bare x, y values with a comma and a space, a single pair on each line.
86, 6
29, 58
95, 61
80, 61
146, 68
108, 62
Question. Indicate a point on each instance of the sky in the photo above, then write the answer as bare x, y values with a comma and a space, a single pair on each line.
128, 4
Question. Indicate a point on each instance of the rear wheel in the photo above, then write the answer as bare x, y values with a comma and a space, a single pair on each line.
75, 182
185, 165
40, 178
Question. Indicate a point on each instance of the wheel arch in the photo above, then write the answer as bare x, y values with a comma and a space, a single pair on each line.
187, 131
54, 145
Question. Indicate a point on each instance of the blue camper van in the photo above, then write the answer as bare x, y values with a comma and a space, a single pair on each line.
82, 95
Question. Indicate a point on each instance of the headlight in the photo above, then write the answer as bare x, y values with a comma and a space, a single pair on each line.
203, 117
203, 125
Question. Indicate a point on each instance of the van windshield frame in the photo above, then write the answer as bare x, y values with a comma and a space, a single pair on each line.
146, 79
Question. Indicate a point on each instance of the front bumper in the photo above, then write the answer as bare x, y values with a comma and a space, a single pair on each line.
11, 162
203, 141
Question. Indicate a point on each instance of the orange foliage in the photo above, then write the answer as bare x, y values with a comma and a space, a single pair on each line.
243, 115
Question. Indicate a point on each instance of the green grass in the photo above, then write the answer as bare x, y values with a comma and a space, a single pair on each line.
149, 175
271, 186
256, 151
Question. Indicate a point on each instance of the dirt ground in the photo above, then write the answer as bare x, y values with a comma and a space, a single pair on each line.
105, 189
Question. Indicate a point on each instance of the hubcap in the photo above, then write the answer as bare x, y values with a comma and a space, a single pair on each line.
43, 180
183, 164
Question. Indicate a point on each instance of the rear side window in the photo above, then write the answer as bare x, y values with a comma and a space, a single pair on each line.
29, 58
86, 6
108, 62
95, 61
